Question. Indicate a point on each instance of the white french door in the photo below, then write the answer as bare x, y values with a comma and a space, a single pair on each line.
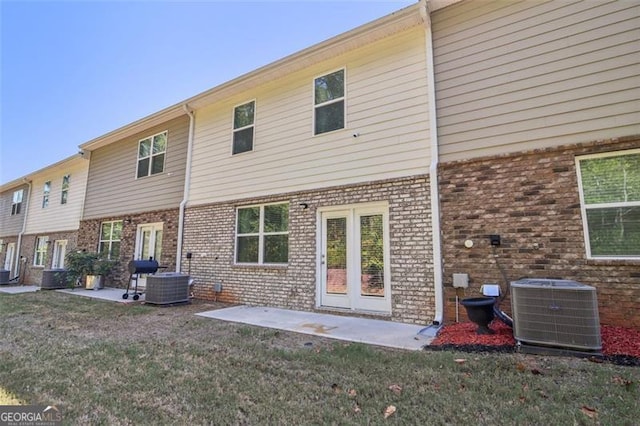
59, 253
354, 259
9, 259
148, 246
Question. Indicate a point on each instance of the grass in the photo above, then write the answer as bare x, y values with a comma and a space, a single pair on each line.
107, 363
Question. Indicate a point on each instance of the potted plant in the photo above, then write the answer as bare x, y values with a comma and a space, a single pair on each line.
87, 267
102, 267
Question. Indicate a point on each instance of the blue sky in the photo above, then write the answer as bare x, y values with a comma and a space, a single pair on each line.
74, 70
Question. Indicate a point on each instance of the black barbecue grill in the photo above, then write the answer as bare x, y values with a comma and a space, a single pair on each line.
137, 267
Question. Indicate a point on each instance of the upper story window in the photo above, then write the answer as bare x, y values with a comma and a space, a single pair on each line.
151, 154
262, 234
16, 202
329, 102
610, 200
243, 127
110, 236
40, 255
65, 189
46, 190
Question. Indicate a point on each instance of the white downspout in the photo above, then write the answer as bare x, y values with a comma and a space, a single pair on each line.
24, 229
187, 185
433, 168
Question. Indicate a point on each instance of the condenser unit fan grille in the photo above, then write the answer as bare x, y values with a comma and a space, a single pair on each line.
559, 313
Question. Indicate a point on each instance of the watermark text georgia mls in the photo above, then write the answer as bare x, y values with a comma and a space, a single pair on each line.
30, 415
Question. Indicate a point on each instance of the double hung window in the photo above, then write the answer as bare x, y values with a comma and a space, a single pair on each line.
243, 127
151, 154
65, 189
46, 191
40, 255
110, 236
610, 199
262, 234
16, 202
329, 111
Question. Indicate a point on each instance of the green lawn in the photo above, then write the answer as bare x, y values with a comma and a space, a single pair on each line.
108, 363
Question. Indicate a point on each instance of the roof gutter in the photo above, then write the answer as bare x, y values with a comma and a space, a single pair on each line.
24, 229
187, 185
433, 167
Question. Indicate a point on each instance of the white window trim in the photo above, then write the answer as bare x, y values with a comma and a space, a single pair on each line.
314, 106
234, 130
110, 240
151, 155
42, 245
583, 206
260, 234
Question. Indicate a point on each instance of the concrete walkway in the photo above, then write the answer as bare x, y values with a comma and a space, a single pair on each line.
362, 330
18, 289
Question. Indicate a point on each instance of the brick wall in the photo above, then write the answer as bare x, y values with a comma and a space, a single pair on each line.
531, 200
210, 232
89, 237
33, 274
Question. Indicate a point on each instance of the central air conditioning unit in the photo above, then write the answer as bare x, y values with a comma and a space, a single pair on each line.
560, 313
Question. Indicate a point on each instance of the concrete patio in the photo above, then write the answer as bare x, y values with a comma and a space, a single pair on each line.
18, 289
108, 294
353, 329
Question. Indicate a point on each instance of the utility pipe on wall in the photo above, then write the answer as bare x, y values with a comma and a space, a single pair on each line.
187, 185
24, 229
433, 167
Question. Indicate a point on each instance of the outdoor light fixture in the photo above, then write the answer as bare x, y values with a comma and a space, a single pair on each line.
304, 206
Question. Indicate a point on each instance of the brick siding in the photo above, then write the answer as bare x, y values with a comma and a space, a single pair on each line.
89, 237
210, 233
531, 200
33, 274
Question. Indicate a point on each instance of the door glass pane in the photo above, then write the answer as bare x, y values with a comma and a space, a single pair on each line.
157, 251
145, 239
336, 255
59, 252
371, 256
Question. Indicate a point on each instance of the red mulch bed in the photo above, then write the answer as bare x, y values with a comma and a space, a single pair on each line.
620, 345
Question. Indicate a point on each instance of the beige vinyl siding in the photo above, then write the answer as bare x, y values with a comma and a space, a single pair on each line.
513, 76
112, 186
12, 225
56, 216
386, 103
